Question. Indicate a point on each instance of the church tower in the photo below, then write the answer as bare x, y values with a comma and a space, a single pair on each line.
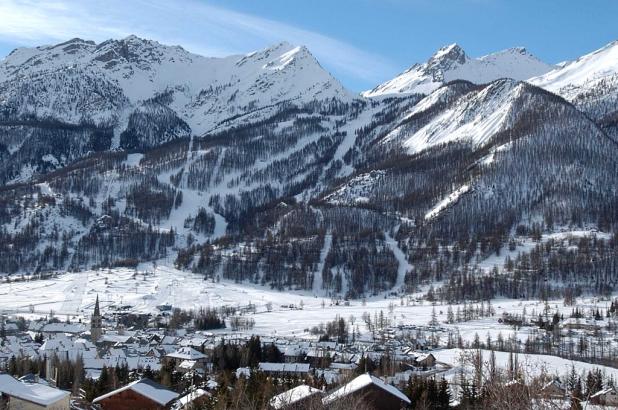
96, 323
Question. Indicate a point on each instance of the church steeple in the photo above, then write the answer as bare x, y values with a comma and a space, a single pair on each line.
97, 310
96, 323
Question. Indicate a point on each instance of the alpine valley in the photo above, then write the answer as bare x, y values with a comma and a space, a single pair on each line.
485, 177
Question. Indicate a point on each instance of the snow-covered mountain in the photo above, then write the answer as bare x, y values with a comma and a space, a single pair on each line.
108, 80
474, 118
590, 82
574, 78
451, 63
135, 94
263, 168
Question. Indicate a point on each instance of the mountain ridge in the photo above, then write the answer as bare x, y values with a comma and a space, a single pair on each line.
288, 179
452, 63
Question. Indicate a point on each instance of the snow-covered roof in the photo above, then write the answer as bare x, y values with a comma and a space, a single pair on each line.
64, 328
603, 392
423, 356
33, 393
554, 383
292, 396
187, 353
190, 397
243, 371
147, 388
343, 366
187, 364
292, 351
114, 338
361, 382
284, 367
581, 322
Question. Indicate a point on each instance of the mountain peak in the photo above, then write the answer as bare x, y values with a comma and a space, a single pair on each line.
452, 52
205, 89
133, 38
451, 63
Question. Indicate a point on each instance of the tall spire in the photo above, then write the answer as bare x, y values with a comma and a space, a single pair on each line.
97, 311
96, 323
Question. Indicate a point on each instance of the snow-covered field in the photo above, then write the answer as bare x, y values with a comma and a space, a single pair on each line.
530, 364
73, 294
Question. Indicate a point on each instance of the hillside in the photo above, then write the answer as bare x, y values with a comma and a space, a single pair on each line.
263, 168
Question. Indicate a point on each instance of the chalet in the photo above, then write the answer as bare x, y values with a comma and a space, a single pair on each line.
67, 328
243, 372
580, 324
606, 397
425, 360
316, 356
372, 392
195, 342
284, 369
187, 366
344, 368
15, 394
112, 339
299, 397
11, 328
142, 394
555, 389
328, 376
195, 399
515, 388
184, 356
293, 354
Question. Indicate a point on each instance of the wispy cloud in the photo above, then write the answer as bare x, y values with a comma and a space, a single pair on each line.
197, 26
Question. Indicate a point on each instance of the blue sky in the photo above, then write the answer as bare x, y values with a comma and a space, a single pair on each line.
362, 42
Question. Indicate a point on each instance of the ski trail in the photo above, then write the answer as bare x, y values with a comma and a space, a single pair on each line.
317, 276
77, 289
220, 222
193, 199
350, 139
404, 266
183, 177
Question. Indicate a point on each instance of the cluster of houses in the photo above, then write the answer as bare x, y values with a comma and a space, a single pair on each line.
371, 391
189, 351
186, 351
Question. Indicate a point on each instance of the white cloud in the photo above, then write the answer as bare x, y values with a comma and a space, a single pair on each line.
199, 27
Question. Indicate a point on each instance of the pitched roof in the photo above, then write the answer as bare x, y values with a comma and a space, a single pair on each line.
292, 396
284, 367
603, 392
146, 388
33, 393
187, 353
363, 381
191, 397
64, 328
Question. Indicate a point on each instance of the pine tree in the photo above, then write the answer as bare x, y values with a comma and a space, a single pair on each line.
577, 396
444, 396
450, 316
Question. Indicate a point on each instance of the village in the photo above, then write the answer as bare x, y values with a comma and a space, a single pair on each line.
178, 359
189, 354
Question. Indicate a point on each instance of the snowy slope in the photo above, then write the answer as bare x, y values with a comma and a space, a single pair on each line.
473, 118
204, 90
451, 63
590, 82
